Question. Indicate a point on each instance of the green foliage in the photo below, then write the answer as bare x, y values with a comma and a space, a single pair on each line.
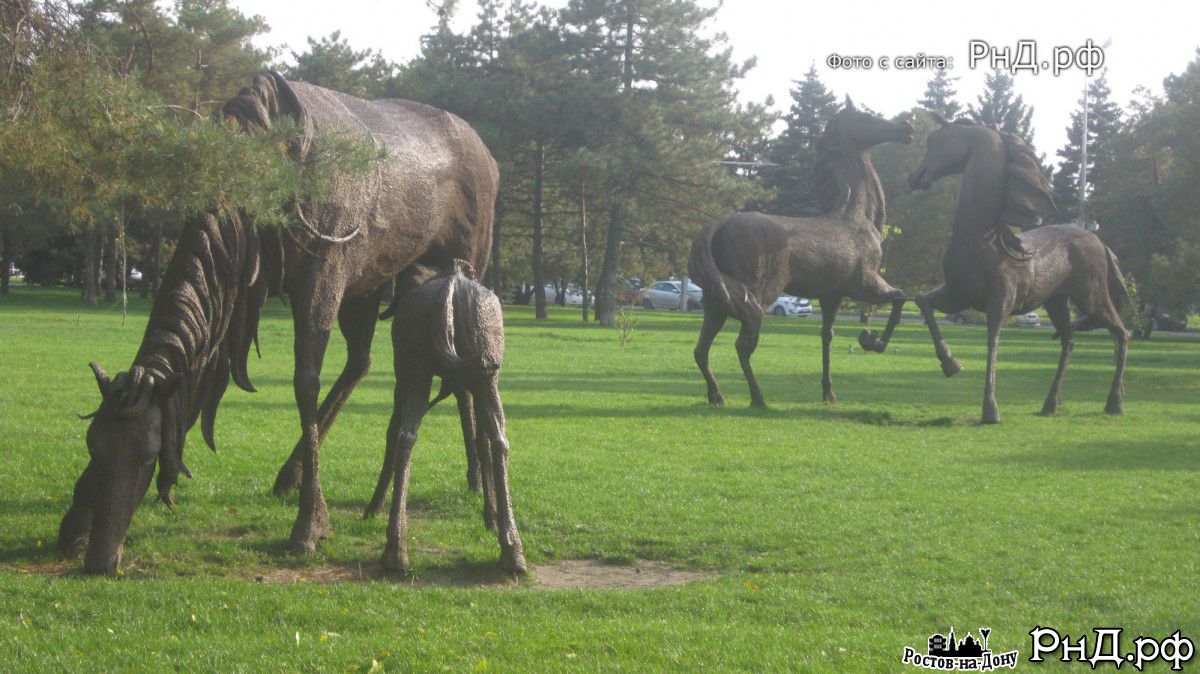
1000, 106
939, 95
1147, 203
794, 151
1104, 121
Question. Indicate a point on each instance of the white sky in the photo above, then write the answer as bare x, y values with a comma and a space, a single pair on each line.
788, 36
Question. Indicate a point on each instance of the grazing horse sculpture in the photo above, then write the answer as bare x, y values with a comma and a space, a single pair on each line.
989, 268
744, 260
451, 327
430, 200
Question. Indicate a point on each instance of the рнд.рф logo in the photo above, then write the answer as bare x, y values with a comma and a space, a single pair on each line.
946, 653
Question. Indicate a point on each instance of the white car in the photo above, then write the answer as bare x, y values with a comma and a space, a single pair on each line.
573, 295
787, 305
665, 295
1030, 319
134, 274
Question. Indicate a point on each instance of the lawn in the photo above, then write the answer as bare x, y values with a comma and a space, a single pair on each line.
833, 535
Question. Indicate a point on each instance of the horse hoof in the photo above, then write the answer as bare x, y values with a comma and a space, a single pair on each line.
1114, 408
758, 405
829, 397
512, 561
951, 367
990, 417
394, 559
371, 510
1048, 411
869, 341
716, 400
287, 480
302, 547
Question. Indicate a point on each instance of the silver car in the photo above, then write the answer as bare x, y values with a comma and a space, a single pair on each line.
665, 295
787, 305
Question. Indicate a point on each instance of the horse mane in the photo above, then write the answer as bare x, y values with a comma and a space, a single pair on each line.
1027, 193
203, 323
268, 99
834, 189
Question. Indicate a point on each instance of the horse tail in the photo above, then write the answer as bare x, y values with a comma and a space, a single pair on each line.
729, 293
1118, 292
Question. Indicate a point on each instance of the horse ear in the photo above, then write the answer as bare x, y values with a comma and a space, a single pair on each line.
465, 268
849, 103
938, 118
102, 380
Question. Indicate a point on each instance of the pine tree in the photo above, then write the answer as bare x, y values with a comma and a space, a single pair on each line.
939, 95
1104, 120
794, 152
1001, 107
332, 63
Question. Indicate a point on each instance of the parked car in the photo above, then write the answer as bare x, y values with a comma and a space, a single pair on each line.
573, 295
788, 305
665, 295
1030, 319
967, 316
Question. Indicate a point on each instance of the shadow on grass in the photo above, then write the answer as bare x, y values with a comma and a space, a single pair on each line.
1163, 453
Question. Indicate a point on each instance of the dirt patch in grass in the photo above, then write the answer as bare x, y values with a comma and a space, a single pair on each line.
560, 575
573, 573
591, 573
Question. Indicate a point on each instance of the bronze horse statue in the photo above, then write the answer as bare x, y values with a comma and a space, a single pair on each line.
430, 200
989, 268
744, 260
449, 327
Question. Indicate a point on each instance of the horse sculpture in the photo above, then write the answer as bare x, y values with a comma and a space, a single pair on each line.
989, 268
744, 260
452, 328
428, 202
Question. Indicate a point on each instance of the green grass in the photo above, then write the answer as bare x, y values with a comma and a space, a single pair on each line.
839, 534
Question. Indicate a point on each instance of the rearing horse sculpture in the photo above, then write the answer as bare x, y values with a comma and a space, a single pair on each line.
990, 269
428, 202
745, 260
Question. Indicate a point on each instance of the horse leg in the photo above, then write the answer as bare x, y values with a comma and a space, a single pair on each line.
998, 310
466, 417
486, 472
870, 340
512, 556
747, 342
413, 399
928, 302
714, 320
1121, 335
356, 319
829, 309
312, 324
390, 456
1060, 315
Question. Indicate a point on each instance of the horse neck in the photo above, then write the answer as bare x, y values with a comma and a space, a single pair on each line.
981, 196
194, 305
851, 188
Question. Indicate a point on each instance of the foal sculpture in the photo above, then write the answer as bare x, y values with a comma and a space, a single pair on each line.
744, 260
989, 268
430, 200
450, 327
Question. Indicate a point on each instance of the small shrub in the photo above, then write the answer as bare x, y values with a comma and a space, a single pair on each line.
626, 322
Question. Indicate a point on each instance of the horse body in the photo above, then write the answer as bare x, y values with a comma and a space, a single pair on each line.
744, 260
988, 268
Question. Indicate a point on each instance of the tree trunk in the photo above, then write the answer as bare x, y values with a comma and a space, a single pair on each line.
110, 267
583, 246
5, 263
605, 291
560, 296
154, 263
539, 273
683, 294
91, 273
